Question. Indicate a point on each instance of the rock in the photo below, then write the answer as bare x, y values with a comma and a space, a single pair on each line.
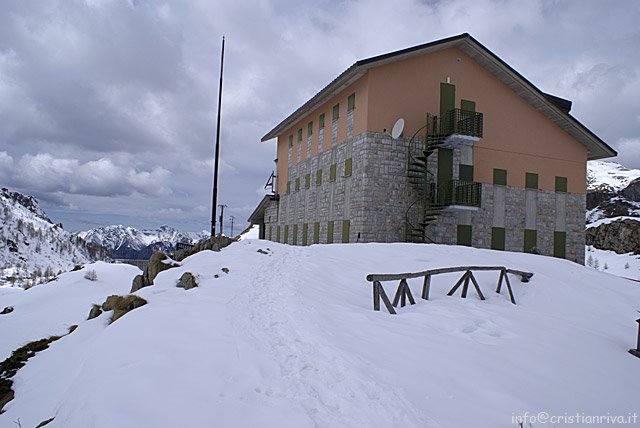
225, 269
77, 268
120, 305
7, 310
215, 243
138, 283
72, 328
95, 312
158, 262
261, 251
622, 236
45, 422
187, 281
632, 191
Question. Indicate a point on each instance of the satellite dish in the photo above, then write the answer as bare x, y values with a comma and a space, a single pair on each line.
398, 127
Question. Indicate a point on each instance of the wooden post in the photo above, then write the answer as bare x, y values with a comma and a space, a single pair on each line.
506, 281
402, 293
426, 286
376, 296
636, 351
455, 287
465, 287
382, 295
477, 287
500, 281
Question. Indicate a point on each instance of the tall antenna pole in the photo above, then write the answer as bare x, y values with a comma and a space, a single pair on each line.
232, 220
217, 152
222, 207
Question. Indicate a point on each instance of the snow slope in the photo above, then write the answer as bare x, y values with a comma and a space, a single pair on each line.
289, 339
609, 175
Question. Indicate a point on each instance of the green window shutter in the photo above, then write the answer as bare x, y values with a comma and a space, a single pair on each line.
561, 184
321, 121
466, 172
286, 234
298, 184
530, 240
351, 102
464, 235
447, 103
278, 234
467, 105
307, 181
300, 135
531, 180
336, 111
497, 238
346, 226
290, 141
288, 187
316, 233
270, 233
445, 166
330, 232
500, 176
309, 129
348, 166
319, 177
295, 234
560, 244
305, 232
332, 173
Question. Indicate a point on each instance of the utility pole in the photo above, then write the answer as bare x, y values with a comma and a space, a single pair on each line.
217, 151
232, 218
222, 207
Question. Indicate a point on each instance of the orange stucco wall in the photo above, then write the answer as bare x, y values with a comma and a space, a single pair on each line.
517, 137
360, 88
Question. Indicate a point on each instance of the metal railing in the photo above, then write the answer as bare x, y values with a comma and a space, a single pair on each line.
461, 122
458, 192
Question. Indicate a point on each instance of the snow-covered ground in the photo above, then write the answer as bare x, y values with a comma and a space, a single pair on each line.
252, 233
624, 265
289, 339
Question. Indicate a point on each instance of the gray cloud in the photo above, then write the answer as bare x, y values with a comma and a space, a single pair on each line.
108, 108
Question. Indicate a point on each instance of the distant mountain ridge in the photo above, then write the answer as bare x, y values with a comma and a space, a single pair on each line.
33, 248
613, 203
124, 242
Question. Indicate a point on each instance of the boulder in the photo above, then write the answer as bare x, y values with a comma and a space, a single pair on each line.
138, 283
187, 281
7, 310
621, 236
94, 312
120, 305
215, 243
158, 262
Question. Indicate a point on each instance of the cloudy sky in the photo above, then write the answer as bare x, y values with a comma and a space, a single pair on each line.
107, 107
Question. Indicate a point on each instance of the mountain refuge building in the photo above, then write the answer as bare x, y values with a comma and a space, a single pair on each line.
438, 143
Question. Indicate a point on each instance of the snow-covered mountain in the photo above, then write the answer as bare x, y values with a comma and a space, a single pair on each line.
33, 248
287, 337
131, 243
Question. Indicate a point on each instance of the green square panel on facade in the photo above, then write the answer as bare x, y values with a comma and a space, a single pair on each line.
278, 234
307, 181
560, 244
500, 176
270, 233
531, 180
466, 172
346, 226
305, 233
561, 184
348, 166
351, 102
286, 234
330, 232
530, 240
497, 238
319, 177
297, 184
464, 234
467, 105
332, 173
288, 187
316, 233
295, 234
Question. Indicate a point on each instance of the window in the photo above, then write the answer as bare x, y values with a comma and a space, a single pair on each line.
351, 102
288, 187
332, 173
270, 233
321, 121
305, 232
290, 141
330, 232
316, 233
346, 226
336, 111
464, 235
500, 176
300, 135
298, 184
561, 184
286, 234
309, 129
295, 234
348, 166
466, 172
497, 238
319, 177
531, 180
307, 181
278, 234
530, 240
560, 244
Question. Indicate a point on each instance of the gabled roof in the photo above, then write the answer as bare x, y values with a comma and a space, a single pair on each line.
555, 108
